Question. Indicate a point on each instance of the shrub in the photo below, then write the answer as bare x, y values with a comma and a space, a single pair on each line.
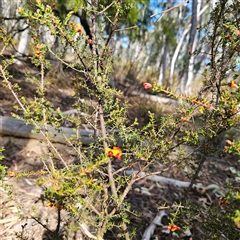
93, 190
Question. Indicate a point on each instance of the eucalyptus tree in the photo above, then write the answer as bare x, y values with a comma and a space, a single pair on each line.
191, 45
14, 25
168, 29
183, 25
132, 16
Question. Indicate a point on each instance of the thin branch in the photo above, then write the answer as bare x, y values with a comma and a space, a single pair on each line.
124, 168
33, 122
12, 18
65, 63
44, 226
113, 28
155, 222
106, 8
58, 221
168, 10
195, 176
86, 232
124, 29
109, 168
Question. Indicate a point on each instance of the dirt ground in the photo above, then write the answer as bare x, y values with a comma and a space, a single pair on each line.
23, 155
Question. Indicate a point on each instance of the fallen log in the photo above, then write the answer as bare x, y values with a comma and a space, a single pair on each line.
154, 98
147, 96
17, 128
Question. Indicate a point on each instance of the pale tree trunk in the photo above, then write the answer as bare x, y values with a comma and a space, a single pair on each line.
214, 3
161, 79
117, 49
179, 17
136, 51
162, 73
9, 12
48, 38
190, 50
190, 73
24, 37
176, 53
180, 44
23, 41
137, 59
8, 9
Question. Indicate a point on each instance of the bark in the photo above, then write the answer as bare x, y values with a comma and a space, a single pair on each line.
14, 25
157, 99
151, 228
180, 45
190, 50
17, 128
8, 11
162, 75
176, 53
23, 42
161, 79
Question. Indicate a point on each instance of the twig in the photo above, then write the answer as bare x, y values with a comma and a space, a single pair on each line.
127, 28
64, 62
6, 230
34, 122
196, 174
113, 28
104, 136
86, 232
44, 226
106, 8
58, 221
168, 10
168, 181
156, 221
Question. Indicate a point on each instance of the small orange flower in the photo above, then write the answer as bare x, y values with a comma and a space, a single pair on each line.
147, 85
38, 49
12, 174
38, 53
50, 204
223, 201
38, 46
232, 84
110, 153
40, 172
114, 152
172, 227
184, 119
236, 120
78, 28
